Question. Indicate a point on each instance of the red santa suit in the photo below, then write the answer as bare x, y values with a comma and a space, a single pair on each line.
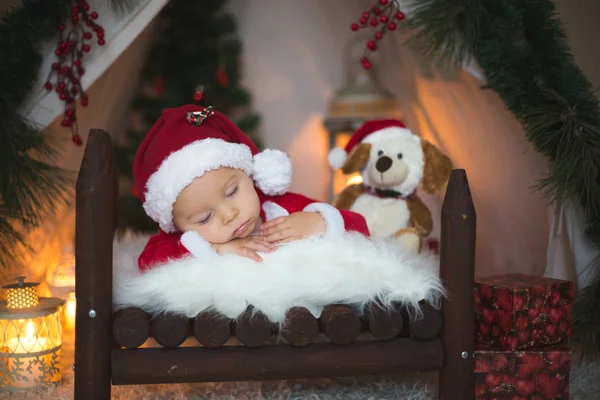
188, 141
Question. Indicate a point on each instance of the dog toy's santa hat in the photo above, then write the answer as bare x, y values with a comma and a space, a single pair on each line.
188, 141
370, 132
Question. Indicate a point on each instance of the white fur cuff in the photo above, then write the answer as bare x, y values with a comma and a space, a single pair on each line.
196, 245
332, 216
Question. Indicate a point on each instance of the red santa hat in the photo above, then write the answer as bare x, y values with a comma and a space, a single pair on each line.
187, 142
369, 132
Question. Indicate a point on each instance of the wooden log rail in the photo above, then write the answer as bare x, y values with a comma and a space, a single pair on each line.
341, 325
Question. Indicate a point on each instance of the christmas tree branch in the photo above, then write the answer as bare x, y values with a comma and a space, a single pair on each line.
523, 51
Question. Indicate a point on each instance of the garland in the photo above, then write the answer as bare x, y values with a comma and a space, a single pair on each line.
521, 47
30, 184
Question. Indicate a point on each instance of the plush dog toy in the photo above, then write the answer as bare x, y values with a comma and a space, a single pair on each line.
393, 163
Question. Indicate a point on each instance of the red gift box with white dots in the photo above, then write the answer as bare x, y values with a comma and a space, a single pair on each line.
519, 311
534, 374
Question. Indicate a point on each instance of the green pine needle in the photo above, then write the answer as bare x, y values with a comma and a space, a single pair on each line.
523, 51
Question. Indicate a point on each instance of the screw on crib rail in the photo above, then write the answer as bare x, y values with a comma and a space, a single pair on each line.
457, 270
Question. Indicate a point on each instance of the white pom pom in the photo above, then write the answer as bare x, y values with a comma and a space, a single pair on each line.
272, 172
337, 157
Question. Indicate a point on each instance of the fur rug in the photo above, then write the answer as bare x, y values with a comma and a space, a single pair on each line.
309, 273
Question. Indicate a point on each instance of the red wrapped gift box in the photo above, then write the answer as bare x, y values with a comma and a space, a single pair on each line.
518, 311
534, 374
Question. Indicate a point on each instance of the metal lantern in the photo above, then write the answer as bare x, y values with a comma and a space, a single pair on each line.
361, 99
31, 338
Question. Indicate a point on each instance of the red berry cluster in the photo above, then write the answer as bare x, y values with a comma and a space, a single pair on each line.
383, 16
65, 76
522, 375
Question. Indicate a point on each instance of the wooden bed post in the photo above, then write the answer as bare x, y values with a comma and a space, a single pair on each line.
457, 270
96, 192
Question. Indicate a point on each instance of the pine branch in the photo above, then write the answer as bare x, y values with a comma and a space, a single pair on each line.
523, 51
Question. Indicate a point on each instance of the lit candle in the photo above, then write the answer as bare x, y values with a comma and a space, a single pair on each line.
23, 345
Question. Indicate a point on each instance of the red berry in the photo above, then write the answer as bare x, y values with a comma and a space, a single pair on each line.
77, 140
86, 6
88, 23
86, 48
58, 52
87, 35
365, 62
363, 20
366, 14
61, 27
374, 22
81, 71
74, 90
378, 35
94, 15
372, 45
55, 66
77, 62
399, 15
64, 70
62, 45
354, 27
84, 103
376, 11
75, 18
64, 122
391, 26
75, 10
48, 86
61, 85
100, 34
63, 96
69, 112
383, 19
383, 2
101, 42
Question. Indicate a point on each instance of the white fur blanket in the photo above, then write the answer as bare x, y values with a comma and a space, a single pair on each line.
310, 273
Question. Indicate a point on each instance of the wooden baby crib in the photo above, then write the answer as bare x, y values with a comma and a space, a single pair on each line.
109, 346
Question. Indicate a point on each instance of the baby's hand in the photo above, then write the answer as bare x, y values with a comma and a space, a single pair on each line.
246, 247
292, 227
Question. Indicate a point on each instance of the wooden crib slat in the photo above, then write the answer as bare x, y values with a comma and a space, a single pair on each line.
301, 327
385, 323
170, 330
131, 327
429, 325
212, 329
341, 325
239, 363
96, 193
457, 271
253, 328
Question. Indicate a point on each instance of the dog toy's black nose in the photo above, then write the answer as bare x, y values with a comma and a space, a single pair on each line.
383, 164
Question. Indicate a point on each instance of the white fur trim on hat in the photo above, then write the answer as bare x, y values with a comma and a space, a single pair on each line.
272, 172
181, 167
337, 157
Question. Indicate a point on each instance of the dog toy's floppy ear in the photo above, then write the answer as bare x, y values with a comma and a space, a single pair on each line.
436, 171
357, 159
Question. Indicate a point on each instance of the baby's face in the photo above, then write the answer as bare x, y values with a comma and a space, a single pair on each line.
221, 205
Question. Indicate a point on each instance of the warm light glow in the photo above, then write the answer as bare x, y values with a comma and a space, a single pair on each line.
354, 179
340, 181
70, 311
29, 330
